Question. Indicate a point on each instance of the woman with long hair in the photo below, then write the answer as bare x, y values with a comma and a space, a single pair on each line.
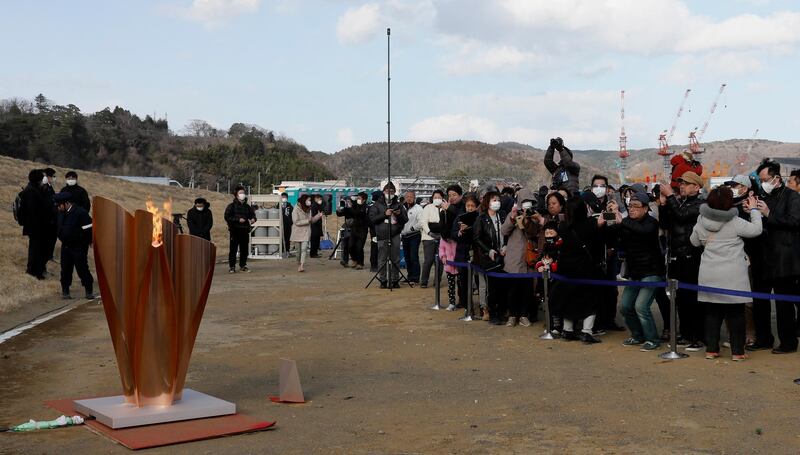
301, 230
490, 249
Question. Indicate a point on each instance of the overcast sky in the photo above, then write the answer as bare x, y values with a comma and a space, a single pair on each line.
516, 70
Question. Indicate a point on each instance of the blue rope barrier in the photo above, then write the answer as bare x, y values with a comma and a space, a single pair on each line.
640, 284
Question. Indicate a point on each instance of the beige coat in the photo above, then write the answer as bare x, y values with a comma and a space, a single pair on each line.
301, 225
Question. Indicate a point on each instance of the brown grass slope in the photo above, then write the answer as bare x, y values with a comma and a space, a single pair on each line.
17, 288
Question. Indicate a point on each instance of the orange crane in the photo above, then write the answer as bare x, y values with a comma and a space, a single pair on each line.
623, 140
664, 138
695, 137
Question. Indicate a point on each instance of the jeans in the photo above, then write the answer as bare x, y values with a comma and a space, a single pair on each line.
411, 251
430, 249
635, 309
240, 241
733, 314
384, 254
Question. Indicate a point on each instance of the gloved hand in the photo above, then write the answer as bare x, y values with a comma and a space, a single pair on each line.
553, 143
559, 144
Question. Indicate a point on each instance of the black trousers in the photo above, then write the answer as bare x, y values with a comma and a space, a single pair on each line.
50, 246
287, 234
785, 312
315, 238
692, 315
520, 297
373, 256
75, 258
356, 246
733, 313
497, 297
608, 295
463, 287
663, 306
240, 241
762, 312
37, 255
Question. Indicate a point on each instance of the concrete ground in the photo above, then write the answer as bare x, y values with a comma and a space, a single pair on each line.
386, 375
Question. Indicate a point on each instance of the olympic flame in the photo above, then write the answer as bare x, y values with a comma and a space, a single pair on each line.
158, 234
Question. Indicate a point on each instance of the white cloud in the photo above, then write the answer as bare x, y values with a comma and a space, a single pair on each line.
345, 136
474, 57
713, 66
358, 25
213, 13
454, 126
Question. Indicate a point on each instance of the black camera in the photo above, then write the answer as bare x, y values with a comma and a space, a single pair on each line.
657, 191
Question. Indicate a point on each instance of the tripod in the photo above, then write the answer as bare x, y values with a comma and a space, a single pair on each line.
386, 267
341, 237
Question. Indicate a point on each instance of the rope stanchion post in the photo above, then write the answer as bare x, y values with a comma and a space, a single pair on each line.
437, 283
548, 333
468, 313
672, 354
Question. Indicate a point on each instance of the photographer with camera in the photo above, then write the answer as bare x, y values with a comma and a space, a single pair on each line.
566, 172
388, 215
359, 228
412, 236
521, 227
344, 209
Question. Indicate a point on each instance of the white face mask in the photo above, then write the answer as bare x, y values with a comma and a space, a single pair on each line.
360, 201
72, 182
199, 209
769, 186
599, 191
284, 200
352, 198
44, 180
527, 205
319, 201
495, 205
437, 202
308, 203
628, 200
388, 196
241, 196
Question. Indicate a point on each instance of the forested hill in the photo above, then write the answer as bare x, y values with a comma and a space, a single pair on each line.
115, 141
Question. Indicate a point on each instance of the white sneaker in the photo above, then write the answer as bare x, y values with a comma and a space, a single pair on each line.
451, 307
436, 307
465, 318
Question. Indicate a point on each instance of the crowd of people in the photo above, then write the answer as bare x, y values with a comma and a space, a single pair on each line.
742, 235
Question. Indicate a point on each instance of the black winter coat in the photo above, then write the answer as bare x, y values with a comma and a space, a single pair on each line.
37, 210
678, 217
70, 227
384, 229
316, 227
639, 239
200, 222
486, 237
448, 217
358, 216
566, 172
237, 210
464, 241
780, 256
286, 211
79, 196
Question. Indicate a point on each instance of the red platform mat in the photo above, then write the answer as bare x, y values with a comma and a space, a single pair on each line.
169, 433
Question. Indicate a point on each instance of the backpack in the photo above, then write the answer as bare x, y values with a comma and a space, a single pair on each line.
18, 209
531, 254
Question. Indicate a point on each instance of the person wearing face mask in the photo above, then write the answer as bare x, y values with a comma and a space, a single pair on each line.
79, 194
677, 214
302, 218
412, 236
346, 229
199, 219
373, 237
520, 227
779, 260
431, 226
358, 230
462, 234
389, 216
490, 249
74, 231
240, 216
286, 209
317, 207
34, 211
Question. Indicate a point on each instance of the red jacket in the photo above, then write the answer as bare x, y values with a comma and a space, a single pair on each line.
681, 166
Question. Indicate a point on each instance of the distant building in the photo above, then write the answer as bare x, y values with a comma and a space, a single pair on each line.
788, 164
166, 181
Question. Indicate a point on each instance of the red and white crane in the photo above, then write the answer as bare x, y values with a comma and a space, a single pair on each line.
741, 160
664, 138
623, 139
695, 137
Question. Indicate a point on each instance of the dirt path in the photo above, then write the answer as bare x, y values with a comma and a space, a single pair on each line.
386, 375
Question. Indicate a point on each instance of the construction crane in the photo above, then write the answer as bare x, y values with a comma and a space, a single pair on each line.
741, 160
695, 137
664, 138
623, 140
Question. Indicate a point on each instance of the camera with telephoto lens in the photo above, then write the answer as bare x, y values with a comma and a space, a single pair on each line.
656, 192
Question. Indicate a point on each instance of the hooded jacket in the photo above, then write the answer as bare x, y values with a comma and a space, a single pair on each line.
237, 210
200, 222
37, 207
566, 172
724, 262
680, 166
